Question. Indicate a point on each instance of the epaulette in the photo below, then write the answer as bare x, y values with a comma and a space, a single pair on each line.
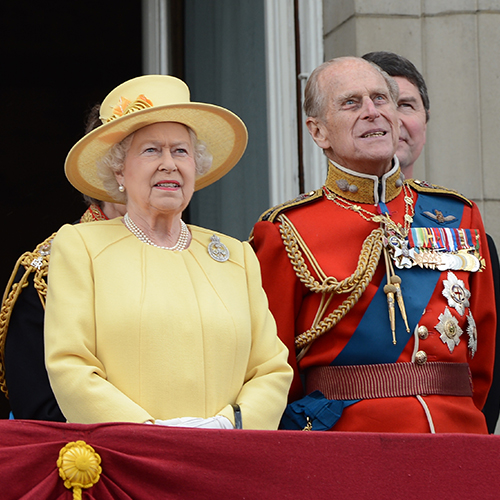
271, 214
427, 187
36, 262
92, 214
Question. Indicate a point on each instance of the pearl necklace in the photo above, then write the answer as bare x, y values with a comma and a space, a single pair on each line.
181, 244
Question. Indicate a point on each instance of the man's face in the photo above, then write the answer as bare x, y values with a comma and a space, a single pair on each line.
413, 125
359, 128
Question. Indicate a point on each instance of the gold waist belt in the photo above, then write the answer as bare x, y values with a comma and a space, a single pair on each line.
390, 380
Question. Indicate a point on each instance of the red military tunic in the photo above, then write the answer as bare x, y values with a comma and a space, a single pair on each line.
334, 233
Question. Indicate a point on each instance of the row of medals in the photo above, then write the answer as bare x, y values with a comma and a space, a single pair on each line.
442, 260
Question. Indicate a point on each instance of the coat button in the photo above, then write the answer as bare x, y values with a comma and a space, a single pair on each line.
421, 357
423, 333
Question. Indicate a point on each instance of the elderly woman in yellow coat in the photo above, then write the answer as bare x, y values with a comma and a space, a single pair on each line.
149, 319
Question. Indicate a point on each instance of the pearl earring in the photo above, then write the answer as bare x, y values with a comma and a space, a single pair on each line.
121, 188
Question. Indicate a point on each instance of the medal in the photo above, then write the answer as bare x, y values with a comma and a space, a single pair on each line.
444, 249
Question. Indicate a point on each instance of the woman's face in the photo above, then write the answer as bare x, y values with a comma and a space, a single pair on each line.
159, 169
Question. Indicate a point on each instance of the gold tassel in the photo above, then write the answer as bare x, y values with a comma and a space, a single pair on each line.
390, 290
393, 291
396, 281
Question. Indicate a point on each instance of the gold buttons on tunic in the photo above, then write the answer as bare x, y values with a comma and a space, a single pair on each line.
423, 333
421, 357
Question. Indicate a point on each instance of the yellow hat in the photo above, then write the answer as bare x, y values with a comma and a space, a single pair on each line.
146, 100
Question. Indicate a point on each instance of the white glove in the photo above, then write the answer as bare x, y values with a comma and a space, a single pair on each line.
217, 422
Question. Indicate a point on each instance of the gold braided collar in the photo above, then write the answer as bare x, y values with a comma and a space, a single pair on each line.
92, 214
363, 188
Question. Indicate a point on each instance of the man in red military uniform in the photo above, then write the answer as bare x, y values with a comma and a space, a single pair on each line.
381, 288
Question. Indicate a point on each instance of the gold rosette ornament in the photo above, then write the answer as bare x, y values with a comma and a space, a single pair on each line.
79, 467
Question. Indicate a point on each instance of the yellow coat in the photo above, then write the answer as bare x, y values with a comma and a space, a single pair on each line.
136, 333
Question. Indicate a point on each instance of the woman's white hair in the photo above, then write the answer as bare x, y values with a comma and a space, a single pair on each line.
113, 161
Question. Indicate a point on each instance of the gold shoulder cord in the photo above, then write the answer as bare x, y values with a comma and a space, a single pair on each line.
355, 284
36, 262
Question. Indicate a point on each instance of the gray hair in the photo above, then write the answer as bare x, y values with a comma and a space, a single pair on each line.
315, 98
113, 161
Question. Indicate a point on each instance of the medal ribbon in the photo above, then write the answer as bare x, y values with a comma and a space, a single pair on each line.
446, 239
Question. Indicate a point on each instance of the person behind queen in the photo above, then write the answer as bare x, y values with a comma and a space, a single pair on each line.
23, 376
149, 319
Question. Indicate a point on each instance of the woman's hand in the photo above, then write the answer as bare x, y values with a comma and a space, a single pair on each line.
217, 422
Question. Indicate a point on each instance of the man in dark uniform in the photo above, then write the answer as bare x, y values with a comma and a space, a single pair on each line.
24, 378
381, 288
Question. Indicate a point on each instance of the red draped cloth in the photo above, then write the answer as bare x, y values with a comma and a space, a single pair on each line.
153, 462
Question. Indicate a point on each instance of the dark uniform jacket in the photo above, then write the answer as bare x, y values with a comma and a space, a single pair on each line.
25, 379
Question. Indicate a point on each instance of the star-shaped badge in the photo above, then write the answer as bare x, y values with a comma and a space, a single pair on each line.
449, 329
456, 293
472, 331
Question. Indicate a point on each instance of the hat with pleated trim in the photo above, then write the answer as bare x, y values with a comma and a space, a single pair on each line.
151, 99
